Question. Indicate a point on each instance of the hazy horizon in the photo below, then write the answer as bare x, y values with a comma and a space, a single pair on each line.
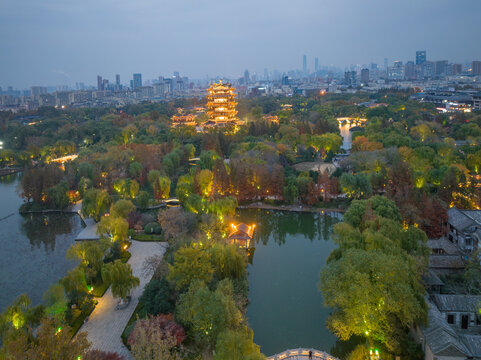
59, 42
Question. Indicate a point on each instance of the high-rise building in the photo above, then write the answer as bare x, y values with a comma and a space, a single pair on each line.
386, 64
456, 69
35, 91
221, 103
410, 71
440, 67
350, 78
420, 57
100, 84
246, 77
304, 64
476, 66
137, 82
365, 76
316, 64
266, 74
117, 80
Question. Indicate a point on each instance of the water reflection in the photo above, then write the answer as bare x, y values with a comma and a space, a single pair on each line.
285, 307
43, 230
33, 248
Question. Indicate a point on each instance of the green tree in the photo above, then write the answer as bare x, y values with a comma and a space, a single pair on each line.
55, 301
135, 170
158, 297
237, 345
91, 255
204, 180
113, 228
190, 263
355, 186
122, 208
119, 274
96, 203
228, 261
372, 294
143, 199
208, 313
162, 188
207, 159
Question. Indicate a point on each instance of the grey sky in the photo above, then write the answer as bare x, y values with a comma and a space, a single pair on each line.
50, 42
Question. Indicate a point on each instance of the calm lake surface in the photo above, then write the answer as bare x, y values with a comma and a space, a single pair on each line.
32, 248
286, 309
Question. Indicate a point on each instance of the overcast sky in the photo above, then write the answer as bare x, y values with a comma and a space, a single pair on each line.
54, 42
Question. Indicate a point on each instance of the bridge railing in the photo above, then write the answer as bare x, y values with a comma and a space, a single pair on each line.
316, 354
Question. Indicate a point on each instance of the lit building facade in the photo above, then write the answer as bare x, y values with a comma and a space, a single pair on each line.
221, 104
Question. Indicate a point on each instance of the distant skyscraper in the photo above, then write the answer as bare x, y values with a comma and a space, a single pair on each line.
304, 64
246, 77
476, 66
137, 81
420, 57
410, 71
386, 64
100, 84
266, 74
117, 80
440, 67
316, 64
365, 76
457, 69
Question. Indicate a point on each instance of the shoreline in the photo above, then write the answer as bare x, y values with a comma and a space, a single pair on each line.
293, 208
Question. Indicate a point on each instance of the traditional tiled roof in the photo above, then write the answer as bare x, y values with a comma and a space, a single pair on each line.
464, 219
441, 338
446, 262
444, 244
458, 303
431, 279
241, 231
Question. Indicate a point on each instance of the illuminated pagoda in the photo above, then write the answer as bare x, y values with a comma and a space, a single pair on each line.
221, 104
241, 235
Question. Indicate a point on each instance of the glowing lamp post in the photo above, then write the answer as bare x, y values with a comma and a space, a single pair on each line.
374, 354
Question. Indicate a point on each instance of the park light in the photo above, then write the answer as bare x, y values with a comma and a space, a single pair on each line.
1, 145
58, 330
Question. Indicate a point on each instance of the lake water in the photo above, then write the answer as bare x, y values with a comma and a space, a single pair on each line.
286, 309
32, 248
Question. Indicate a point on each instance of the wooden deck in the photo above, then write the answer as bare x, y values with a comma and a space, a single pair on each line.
301, 354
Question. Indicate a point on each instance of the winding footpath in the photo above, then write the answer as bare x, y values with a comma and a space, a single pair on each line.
105, 325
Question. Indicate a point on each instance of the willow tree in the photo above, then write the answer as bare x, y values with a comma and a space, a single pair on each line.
122, 280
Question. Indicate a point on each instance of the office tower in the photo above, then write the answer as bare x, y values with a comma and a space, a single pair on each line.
420, 57
35, 91
176, 74
266, 74
117, 80
410, 71
221, 103
100, 84
456, 69
365, 76
304, 64
105, 84
246, 77
316, 64
137, 81
476, 66
350, 78
285, 80
386, 64
440, 67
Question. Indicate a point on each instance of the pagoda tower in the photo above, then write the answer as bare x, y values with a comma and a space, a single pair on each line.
221, 104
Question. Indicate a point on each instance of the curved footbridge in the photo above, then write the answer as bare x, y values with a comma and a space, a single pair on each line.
301, 354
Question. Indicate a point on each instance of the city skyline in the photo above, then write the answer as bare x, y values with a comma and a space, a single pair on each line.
53, 42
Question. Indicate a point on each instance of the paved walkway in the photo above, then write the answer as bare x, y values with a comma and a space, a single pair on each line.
105, 324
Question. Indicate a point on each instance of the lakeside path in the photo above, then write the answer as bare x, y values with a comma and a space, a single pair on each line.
105, 325
297, 208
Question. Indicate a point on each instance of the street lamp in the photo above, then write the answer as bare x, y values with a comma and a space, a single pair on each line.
374, 354
1, 145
